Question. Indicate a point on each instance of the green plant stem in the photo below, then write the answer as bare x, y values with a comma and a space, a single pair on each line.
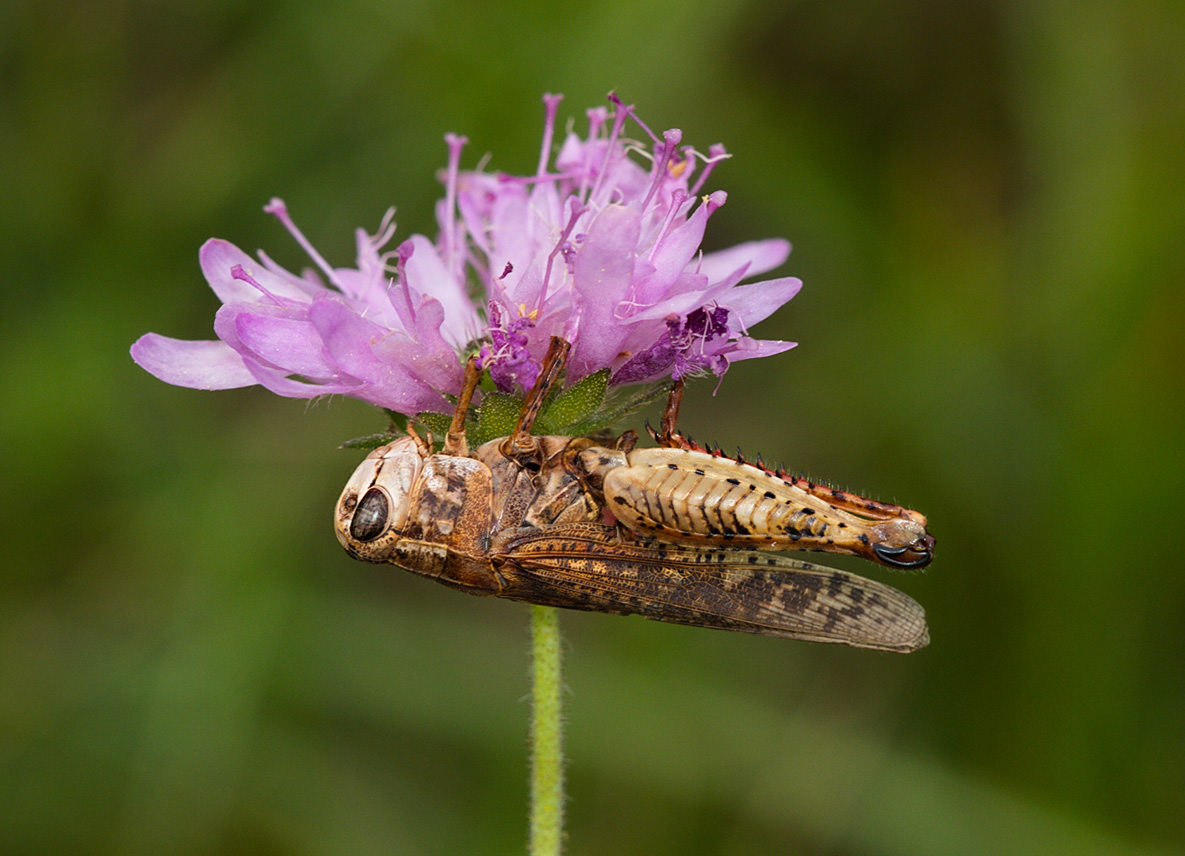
547, 733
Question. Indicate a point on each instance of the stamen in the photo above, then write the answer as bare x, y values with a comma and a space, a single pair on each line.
662, 156
678, 197
279, 210
374, 286
630, 111
237, 272
577, 211
596, 123
619, 117
716, 153
551, 105
455, 143
572, 325
403, 306
386, 229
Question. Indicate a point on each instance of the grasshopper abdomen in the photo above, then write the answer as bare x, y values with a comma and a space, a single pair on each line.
687, 496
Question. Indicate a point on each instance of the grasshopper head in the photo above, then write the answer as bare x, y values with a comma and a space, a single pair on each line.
373, 508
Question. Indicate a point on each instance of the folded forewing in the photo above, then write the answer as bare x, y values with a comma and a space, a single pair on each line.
584, 567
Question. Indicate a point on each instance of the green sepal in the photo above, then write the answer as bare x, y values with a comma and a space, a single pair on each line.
398, 422
574, 405
437, 423
495, 418
582, 410
618, 408
370, 442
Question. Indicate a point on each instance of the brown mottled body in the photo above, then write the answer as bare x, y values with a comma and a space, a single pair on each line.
674, 534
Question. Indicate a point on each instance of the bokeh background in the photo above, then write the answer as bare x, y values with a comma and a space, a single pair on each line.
987, 202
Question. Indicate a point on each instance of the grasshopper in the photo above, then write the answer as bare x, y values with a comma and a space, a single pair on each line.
676, 533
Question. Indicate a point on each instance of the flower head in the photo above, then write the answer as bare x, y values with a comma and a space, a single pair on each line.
602, 248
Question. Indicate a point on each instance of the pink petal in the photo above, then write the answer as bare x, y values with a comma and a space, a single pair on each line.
759, 256
277, 381
368, 282
747, 349
602, 273
681, 304
675, 251
350, 341
291, 344
197, 365
426, 273
756, 302
425, 354
522, 231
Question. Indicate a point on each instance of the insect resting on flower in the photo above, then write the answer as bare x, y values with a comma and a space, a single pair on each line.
674, 533
599, 248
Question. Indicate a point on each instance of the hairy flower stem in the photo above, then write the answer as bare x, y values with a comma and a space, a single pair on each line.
547, 750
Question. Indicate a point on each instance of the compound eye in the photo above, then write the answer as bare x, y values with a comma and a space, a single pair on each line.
370, 517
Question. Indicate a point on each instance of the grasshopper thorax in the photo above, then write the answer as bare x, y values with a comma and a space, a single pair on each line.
373, 508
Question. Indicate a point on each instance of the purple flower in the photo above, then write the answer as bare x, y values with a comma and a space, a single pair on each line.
601, 248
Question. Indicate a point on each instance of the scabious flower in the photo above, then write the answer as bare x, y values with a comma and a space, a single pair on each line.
603, 248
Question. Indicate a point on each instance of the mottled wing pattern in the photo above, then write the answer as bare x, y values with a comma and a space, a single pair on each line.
586, 567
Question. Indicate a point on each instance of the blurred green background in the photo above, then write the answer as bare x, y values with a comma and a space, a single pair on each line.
987, 202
